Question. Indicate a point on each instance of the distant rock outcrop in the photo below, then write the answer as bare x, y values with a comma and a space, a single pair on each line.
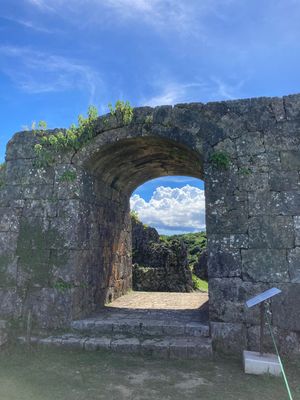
158, 266
200, 268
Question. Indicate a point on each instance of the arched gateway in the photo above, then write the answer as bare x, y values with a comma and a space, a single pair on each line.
65, 235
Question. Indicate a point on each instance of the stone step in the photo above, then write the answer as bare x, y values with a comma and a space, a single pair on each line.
140, 327
184, 347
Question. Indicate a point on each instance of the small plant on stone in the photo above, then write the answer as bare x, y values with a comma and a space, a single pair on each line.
220, 160
245, 171
42, 125
134, 215
123, 109
68, 176
63, 286
149, 120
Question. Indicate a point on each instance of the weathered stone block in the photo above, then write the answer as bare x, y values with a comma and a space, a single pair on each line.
8, 269
265, 265
8, 242
285, 307
284, 180
224, 263
216, 242
22, 172
98, 343
285, 203
228, 338
275, 232
294, 264
9, 219
126, 345
252, 181
227, 298
274, 203
297, 230
156, 347
292, 106
10, 303
230, 222
290, 160
250, 144
288, 342
21, 146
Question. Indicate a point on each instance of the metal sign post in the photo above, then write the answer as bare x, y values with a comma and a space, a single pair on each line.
260, 299
262, 324
257, 362
260, 362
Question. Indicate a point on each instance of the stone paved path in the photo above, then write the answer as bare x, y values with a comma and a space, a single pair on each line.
160, 301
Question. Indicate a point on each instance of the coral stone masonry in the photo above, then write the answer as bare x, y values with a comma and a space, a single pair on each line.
65, 245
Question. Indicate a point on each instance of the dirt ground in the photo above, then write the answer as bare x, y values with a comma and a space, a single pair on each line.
160, 301
76, 375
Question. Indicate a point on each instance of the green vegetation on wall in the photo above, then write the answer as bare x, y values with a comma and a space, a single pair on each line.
33, 251
70, 139
68, 176
220, 160
123, 110
76, 136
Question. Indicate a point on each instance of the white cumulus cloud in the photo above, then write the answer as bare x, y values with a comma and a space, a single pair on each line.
172, 209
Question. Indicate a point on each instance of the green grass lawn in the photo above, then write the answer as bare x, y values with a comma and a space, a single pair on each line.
74, 375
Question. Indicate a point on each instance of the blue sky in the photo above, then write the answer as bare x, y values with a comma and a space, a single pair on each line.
59, 56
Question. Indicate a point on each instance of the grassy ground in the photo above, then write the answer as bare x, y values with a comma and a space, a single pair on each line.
66, 375
199, 284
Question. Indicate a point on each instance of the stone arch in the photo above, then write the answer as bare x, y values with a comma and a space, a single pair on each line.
116, 165
50, 230
127, 163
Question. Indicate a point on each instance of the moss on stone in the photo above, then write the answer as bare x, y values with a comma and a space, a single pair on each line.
33, 249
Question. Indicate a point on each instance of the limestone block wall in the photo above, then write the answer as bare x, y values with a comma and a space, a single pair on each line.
65, 245
253, 220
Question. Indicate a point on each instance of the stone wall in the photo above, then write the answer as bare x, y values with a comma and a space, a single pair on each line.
65, 246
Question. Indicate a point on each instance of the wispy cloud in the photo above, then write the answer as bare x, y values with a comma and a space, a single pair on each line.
42, 4
28, 24
172, 93
175, 92
38, 72
225, 90
185, 18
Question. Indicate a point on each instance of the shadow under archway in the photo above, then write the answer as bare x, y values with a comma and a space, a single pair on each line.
116, 170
